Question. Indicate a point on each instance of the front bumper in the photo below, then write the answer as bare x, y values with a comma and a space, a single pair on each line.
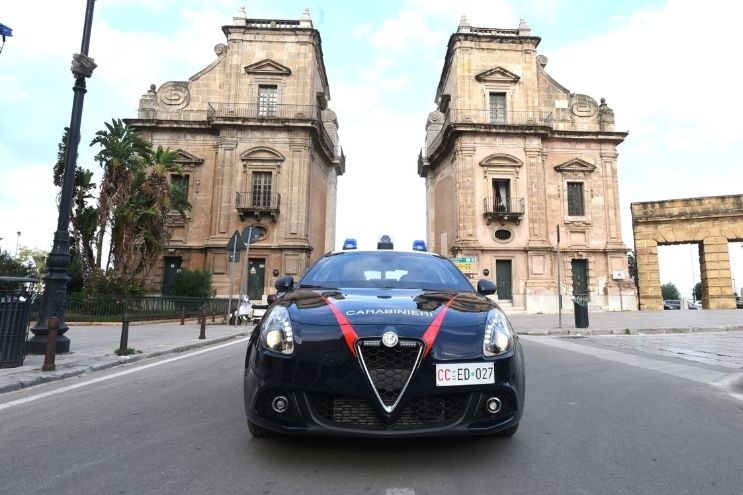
339, 400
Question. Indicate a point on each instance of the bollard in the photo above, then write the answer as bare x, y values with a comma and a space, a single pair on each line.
214, 316
202, 318
51, 345
183, 316
124, 342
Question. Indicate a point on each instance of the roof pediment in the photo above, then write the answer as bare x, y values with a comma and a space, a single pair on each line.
183, 157
268, 66
262, 154
497, 74
501, 160
576, 165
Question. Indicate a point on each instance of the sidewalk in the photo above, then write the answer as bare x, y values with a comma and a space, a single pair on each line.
660, 333
92, 348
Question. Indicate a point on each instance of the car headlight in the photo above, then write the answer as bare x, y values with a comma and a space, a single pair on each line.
276, 332
498, 335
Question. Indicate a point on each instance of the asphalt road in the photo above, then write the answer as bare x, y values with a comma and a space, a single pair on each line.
591, 426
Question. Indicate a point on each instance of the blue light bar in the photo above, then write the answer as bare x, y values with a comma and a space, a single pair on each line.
385, 242
349, 244
419, 245
5, 30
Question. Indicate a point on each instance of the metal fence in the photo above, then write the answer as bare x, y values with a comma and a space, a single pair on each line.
110, 309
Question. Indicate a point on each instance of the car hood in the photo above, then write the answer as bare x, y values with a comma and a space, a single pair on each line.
373, 307
453, 321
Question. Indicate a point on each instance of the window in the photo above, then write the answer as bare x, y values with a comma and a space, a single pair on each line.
262, 189
497, 108
267, 101
180, 183
575, 199
501, 195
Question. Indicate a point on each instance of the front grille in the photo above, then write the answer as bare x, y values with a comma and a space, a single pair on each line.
424, 411
389, 368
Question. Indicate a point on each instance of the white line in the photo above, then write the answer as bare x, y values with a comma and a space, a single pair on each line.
692, 373
51, 393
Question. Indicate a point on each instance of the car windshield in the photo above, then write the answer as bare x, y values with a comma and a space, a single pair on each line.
385, 269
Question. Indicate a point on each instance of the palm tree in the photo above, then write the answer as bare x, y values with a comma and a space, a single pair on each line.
122, 155
140, 232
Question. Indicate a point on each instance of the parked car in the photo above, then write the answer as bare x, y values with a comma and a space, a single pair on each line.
694, 304
672, 304
384, 344
739, 303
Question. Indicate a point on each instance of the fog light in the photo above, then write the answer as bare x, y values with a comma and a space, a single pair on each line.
493, 405
280, 404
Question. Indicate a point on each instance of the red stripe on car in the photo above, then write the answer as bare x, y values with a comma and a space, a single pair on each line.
349, 334
429, 337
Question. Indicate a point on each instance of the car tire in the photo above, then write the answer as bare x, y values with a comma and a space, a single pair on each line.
258, 431
508, 432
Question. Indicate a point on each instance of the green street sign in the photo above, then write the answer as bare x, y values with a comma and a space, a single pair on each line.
463, 260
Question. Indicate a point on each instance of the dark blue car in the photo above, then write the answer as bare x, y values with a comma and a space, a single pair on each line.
384, 344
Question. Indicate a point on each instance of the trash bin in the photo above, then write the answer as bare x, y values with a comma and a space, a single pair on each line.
15, 309
580, 308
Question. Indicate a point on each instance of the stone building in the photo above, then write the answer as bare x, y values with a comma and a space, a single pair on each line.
260, 153
511, 155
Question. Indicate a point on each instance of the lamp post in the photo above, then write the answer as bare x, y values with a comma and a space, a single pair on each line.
54, 301
17, 243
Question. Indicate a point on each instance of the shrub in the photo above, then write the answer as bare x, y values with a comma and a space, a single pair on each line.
109, 284
193, 283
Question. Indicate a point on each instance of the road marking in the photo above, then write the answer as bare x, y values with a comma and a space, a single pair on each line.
399, 491
700, 375
58, 391
692, 373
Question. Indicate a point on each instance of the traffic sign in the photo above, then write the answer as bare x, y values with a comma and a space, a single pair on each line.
235, 243
466, 259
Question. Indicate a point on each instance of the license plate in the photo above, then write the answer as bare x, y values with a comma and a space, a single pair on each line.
448, 375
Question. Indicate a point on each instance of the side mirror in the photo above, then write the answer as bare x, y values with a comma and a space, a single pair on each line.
284, 284
485, 287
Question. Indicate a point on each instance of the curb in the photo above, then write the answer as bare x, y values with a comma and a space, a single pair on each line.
31, 379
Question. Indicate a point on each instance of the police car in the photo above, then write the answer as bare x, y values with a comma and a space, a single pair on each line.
383, 343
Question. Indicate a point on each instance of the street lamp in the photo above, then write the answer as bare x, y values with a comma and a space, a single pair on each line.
55, 282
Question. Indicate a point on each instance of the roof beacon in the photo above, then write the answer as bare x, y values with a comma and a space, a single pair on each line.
419, 245
349, 244
385, 242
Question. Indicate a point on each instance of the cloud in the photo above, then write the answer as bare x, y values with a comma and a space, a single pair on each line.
10, 89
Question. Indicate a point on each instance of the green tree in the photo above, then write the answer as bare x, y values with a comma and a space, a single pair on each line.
632, 265
193, 283
83, 216
698, 291
669, 291
13, 267
35, 260
121, 155
140, 233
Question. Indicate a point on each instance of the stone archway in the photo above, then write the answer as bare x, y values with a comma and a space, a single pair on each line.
711, 222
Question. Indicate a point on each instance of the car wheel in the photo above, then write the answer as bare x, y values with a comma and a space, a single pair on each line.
258, 431
508, 432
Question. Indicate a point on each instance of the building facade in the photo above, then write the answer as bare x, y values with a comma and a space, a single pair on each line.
511, 156
259, 148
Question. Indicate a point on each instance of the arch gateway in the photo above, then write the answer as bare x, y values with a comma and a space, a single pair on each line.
711, 222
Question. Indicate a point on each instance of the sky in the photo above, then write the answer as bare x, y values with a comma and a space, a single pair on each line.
667, 68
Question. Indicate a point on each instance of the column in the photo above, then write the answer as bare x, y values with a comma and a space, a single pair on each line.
646, 256
714, 263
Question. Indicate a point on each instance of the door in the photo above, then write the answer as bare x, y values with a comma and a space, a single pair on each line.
172, 266
503, 279
580, 276
256, 277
